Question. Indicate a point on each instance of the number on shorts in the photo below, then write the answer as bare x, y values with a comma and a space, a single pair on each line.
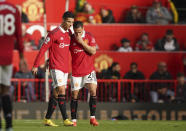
7, 24
90, 76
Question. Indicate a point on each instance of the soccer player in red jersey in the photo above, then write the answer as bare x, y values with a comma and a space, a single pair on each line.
10, 28
58, 42
82, 48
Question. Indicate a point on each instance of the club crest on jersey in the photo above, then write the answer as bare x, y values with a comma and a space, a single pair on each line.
61, 38
74, 44
93, 40
47, 40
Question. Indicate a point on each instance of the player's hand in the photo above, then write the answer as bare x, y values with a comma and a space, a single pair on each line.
79, 39
34, 71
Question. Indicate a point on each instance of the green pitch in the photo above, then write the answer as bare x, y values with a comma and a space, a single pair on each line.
107, 125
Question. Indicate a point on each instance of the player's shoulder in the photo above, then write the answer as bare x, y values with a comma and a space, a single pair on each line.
54, 31
7, 3
9, 6
88, 34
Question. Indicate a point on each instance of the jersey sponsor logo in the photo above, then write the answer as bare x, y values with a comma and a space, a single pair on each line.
62, 45
78, 51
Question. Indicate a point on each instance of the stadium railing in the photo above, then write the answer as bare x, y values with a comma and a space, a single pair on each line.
107, 91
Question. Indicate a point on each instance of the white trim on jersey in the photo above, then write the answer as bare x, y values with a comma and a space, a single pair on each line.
62, 29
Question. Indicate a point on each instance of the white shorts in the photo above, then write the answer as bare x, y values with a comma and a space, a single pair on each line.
5, 75
79, 82
59, 78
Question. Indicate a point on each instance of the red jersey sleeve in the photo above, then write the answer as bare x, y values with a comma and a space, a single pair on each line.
18, 32
92, 41
46, 45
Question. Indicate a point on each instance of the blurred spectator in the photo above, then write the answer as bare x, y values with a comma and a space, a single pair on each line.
125, 46
161, 73
134, 15
24, 18
88, 15
180, 89
144, 44
106, 15
165, 95
29, 44
134, 73
167, 43
113, 72
158, 14
27, 87
160, 90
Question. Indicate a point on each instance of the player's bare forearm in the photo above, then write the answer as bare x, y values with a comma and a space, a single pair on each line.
90, 49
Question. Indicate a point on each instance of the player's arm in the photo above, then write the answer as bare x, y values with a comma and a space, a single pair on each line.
46, 45
18, 33
89, 46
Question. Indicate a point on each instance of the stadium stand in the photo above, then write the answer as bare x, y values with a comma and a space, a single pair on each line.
108, 35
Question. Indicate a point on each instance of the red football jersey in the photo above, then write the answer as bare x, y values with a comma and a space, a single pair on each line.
82, 61
58, 42
10, 32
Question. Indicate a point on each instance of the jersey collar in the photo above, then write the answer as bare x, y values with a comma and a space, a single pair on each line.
62, 29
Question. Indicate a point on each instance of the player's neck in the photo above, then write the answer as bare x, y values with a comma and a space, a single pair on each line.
63, 26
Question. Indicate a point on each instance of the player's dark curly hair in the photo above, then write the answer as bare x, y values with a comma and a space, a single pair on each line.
68, 14
78, 24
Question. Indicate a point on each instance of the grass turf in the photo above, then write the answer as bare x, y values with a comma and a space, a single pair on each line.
105, 125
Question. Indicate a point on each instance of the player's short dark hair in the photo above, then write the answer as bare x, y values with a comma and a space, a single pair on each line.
68, 14
133, 63
78, 24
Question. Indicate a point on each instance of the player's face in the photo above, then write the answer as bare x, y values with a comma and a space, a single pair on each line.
78, 31
68, 23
